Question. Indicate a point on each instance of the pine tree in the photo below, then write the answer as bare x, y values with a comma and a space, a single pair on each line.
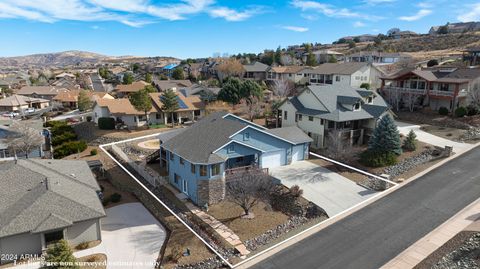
141, 101
60, 252
410, 142
170, 103
385, 138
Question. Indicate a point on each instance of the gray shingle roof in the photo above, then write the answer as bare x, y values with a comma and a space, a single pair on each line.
337, 68
40, 195
198, 142
338, 102
291, 133
256, 67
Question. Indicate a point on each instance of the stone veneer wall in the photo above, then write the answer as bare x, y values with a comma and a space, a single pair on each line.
211, 191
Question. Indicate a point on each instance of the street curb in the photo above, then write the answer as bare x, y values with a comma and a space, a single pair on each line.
356, 208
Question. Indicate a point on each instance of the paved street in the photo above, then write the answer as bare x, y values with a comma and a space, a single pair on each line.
372, 236
327, 189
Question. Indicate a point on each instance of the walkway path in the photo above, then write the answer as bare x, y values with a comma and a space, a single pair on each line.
434, 240
225, 232
423, 136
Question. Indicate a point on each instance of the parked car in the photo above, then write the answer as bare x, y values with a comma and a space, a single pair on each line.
30, 110
11, 114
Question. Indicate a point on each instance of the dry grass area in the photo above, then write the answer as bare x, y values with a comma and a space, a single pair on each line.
154, 143
445, 132
358, 177
95, 260
230, 214
85, 155
86, 245
109, 189
218, 106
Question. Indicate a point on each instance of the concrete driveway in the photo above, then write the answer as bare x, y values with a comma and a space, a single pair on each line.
327, 189
423, 136
129, 234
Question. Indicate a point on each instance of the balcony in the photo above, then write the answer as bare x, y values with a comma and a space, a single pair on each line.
237, 172
406, 90
442, 93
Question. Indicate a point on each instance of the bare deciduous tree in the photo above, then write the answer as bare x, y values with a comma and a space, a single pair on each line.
230, 68
474, 94
410, 100
252, 108
249, 188
338, 148
23, 139
283, 88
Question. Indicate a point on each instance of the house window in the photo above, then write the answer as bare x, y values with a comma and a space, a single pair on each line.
246, 136
331, 124
192, 168
337, 78
172, 157
299, 117
310, 118
369, 100
176, 178
231, 148
215, 169
357, 78
182, 161
322, 121
356, 106
53, 237
203, 170
284, 115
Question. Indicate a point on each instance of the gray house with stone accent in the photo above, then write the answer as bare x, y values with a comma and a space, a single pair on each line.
43, 201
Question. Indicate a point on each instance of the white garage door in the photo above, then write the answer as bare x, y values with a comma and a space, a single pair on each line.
297, 154
273, 159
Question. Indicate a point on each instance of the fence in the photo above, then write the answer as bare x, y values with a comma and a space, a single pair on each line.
141, 168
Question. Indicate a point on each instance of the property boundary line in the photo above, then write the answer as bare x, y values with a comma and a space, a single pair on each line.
331, 219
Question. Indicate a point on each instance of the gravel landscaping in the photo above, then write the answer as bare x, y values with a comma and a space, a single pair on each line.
460, 252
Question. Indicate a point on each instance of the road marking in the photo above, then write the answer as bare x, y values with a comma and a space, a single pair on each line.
331, 219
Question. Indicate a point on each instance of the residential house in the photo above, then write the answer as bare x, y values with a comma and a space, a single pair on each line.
404, 34
470, 55
457, 28
325, 111
324, 56
190, 109
206, 93
430, 87
209, 69
19, 103
7, 153
203, 157
65, 75
255, 71
123, 90
70, 99
123, 112
377, 57
65, 83
171, 84
293, 73
361, 38
192, 69
349, 74
167, 70
44, 92
46, 201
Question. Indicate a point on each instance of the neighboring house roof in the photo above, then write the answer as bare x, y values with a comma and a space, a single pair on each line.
198, 89
41, 90
42, 195
256, 67
72, 96
121, 106
198, 143
134, 87
452, 75
291, 133
185, 103
20, 100
169, 66
164, 85
291, 69
64, 75
337, 68
64, 83
380, 54
338, 101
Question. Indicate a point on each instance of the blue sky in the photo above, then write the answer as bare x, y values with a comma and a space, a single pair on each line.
200, 28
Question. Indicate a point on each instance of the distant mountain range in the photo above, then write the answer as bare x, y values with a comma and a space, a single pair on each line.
60, 59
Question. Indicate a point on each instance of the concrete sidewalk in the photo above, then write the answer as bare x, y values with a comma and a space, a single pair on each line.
435, 239
404, 128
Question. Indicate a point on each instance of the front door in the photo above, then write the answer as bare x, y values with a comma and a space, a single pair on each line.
185, 187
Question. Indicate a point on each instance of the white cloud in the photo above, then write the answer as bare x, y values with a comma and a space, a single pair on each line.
310, 17
296, 29
420, 14
473, 14
330, 10
424, 5
377, 2
233, 15
135, 13
358, 24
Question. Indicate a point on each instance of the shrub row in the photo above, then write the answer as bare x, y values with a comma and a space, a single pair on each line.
372, 158
106, 123
69, 148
